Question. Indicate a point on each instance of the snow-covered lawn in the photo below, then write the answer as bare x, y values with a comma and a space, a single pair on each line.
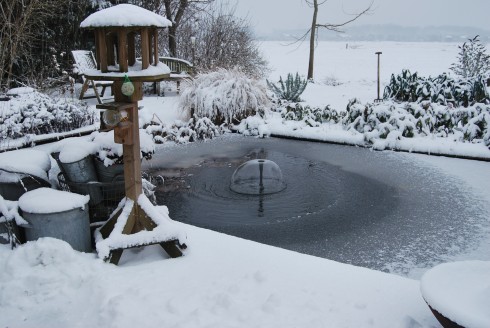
223, 281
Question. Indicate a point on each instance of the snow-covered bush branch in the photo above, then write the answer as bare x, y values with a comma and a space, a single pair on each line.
224, 96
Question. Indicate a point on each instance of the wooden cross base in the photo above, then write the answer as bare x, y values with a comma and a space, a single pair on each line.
137, 228
136, 222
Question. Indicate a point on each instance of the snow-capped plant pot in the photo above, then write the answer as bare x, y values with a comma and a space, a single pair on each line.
57, 214
459, 293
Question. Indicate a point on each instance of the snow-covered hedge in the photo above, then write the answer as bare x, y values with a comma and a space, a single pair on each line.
442, 89
183, 132
311, 116
224, 96
394, 120
36, 113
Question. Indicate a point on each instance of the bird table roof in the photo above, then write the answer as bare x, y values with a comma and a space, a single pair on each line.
125, 15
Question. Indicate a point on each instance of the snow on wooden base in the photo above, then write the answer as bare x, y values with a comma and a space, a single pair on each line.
162, 231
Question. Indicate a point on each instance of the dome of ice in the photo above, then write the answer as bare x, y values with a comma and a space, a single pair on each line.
257, 177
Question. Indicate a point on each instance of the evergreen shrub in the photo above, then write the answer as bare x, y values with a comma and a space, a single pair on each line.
443, 89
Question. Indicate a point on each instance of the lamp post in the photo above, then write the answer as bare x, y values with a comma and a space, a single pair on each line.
378, 53
193, 47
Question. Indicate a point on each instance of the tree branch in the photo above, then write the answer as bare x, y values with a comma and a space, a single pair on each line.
337, 27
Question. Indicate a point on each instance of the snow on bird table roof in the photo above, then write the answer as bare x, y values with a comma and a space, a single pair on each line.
125, 15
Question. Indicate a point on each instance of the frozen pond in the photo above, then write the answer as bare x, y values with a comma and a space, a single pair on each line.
379, 210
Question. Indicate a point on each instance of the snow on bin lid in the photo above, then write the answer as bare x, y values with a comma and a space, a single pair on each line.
47, 200
460, 291
30, 162
125, 15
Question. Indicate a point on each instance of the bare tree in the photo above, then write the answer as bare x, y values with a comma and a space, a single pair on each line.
177, 11
226, 41
35, 35
312, 31
21, 21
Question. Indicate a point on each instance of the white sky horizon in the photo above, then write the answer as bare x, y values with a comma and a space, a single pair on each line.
270, 15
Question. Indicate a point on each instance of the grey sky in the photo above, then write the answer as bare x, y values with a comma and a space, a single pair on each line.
278, 14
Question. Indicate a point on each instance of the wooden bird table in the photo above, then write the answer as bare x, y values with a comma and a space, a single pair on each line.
119, 31
138, 219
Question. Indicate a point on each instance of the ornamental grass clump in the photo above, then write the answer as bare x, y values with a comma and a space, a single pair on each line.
224, 96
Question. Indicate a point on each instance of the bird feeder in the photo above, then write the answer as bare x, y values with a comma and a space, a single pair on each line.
119, 32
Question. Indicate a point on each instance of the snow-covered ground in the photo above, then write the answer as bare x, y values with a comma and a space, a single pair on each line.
223, 281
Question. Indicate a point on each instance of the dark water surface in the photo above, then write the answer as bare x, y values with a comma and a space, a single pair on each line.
379, 210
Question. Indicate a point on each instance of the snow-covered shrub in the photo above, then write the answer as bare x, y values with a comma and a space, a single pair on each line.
443, 89
183, 132
290, 90
253, 126
402, 87
36, 113
205, 129
356, 115
477, 127
311, 116
224, 96
473, 61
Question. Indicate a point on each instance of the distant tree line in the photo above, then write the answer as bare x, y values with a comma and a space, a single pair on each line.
36, 37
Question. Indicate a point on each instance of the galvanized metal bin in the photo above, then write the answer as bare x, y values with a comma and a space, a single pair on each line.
71, 225
82, 173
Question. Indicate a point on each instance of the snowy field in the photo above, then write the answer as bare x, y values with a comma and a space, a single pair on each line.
354, 66
223, 281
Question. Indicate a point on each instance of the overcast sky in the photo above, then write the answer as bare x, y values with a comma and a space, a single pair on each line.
279, 14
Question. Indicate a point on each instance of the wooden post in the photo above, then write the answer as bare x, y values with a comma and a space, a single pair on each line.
132, 158
131, 49
97, 51
378, 53
102, 50
155, 47
111, 41
145, 56
122, 50
150, 47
